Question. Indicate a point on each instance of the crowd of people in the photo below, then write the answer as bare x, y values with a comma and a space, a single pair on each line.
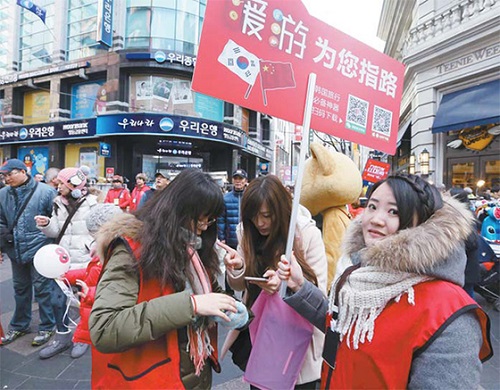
146, 266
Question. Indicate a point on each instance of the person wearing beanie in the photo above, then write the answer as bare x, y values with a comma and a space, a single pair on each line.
139, 190
118, 194
86, 279
68, 227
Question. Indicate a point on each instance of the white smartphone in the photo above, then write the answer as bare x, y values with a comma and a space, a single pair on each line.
255, 279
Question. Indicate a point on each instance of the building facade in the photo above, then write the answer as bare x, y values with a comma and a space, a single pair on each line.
107, 84
450, 112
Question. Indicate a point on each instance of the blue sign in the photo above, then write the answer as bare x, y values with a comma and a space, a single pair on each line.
50, 131
105, 22
85, 99
180, 126
104, 149
35, 158
160, 56
30, 6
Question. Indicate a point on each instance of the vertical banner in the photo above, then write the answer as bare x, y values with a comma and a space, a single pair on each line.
105, 22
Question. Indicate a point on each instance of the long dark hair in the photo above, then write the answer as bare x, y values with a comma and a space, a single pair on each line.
168, 222
261, 252
415, 197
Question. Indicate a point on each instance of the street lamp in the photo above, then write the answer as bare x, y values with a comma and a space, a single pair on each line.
424, 162
411, 168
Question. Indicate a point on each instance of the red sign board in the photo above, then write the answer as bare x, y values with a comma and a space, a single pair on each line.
375, 171
110, 172
258, 54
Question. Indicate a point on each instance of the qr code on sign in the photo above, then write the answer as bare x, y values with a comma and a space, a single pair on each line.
382, 121
357, 114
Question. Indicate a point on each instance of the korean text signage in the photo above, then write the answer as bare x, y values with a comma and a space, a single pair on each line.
104, 149
49, 131
258, 54
375, 171
105, 22
179, 126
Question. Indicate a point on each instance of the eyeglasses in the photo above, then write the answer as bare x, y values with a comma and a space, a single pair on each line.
208, 223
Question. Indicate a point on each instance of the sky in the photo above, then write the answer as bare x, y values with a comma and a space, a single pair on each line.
358, 18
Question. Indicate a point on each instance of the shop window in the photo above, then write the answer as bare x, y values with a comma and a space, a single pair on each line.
36, 42
36, 107
161, 94
492, 173
463, 174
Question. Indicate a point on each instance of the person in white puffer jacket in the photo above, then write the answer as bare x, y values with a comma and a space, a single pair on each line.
75, 203
76, 238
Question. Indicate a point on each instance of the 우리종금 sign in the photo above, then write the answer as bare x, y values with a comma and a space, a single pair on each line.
258, 54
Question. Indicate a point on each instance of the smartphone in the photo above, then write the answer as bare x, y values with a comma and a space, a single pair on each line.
255, 279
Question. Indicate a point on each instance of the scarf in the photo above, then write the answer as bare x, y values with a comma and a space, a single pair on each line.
198, 346
364, 296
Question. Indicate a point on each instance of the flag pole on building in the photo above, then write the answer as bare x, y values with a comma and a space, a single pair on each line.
306, 123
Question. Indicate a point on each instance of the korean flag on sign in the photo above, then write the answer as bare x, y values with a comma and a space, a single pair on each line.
240, 61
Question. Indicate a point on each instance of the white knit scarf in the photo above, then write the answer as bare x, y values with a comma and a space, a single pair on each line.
364, 295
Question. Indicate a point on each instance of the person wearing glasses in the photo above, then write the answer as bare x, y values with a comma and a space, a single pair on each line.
20, 240
158, 296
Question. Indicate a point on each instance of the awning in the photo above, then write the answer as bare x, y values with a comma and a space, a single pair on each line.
479, 105
402, 131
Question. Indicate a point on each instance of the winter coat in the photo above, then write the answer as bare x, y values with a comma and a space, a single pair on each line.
90, 276
137, 194
451, 357
230, 218
147, 195
118, 323
312, 244
27, 238
76, 239
119, 197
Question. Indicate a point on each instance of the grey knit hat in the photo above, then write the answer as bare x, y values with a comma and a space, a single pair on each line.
100, 214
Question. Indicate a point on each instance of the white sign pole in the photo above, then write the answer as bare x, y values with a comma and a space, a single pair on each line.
306, 123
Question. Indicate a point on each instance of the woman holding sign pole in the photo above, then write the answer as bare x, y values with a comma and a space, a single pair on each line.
398, 317
266, 209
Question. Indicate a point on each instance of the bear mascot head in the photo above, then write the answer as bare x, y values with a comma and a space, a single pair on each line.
331, 181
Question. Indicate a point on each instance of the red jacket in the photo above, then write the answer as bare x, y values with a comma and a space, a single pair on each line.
152, 365
90, 276
137, 194
401, 329
119, 197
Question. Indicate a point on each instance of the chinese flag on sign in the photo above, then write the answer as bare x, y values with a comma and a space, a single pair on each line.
276, 75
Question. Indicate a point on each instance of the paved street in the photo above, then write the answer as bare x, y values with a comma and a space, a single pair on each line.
20, 367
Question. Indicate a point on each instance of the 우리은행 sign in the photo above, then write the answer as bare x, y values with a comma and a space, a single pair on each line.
258, 54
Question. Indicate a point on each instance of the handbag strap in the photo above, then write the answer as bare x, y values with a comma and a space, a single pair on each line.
68, 220
342, 280
21, 210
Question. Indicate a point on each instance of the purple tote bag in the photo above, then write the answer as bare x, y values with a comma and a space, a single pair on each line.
280, 338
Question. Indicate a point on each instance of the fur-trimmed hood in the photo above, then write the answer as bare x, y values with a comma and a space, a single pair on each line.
121, 225
434, 248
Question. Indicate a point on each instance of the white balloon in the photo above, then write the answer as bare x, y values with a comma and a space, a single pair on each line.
52, 261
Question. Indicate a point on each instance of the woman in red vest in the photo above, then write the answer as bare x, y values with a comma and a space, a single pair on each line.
398, 316
138, 191
158, 299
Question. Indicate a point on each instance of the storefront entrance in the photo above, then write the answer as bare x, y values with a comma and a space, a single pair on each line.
467, 171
